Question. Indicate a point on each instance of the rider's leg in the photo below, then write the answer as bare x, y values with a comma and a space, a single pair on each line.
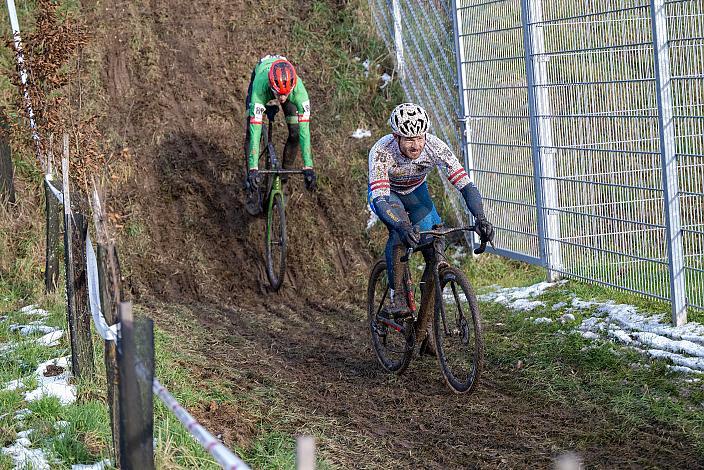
253, 200
423, 215
293, 140
395, 268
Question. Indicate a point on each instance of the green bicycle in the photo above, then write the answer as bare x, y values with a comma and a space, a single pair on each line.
275, 207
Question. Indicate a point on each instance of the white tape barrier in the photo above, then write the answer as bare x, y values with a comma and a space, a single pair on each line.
222, 454
59, 195
108, 333
15, 24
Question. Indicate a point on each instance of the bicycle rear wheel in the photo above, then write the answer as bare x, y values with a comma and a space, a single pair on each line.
458, 332
393, 340
275, 242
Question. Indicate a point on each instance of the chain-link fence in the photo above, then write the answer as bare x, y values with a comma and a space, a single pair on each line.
583, 128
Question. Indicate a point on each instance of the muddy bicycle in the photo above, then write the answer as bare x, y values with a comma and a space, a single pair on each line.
457, 329
274, 206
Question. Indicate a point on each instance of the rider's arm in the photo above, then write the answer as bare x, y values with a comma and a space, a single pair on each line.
300, 98
380, 187
457, 175
256, 114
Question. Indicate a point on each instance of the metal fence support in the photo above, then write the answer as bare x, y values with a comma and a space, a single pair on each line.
136, 362
541, 137
398, 39
666, 126
78, 313
7, 180
465, 130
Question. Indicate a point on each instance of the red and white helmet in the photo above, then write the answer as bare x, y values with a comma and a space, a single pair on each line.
409, 120
282, 77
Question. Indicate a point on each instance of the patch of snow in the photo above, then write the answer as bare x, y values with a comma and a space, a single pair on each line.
6, 348
24, 434
3, 318
526, 305
540, 320
515, 297
34, 310
685, 370
23, 413
57, 386
96, 466
34, 327
61, 424
26, 458
682, 345
51, 339
14, 385
361, 133
567, 317
386, 78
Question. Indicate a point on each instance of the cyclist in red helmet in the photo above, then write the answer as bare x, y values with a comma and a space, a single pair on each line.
275, 79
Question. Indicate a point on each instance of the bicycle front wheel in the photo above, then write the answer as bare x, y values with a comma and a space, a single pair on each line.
275, 242
458, 332
393, 339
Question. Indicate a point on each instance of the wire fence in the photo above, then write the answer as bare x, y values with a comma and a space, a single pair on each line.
583, 129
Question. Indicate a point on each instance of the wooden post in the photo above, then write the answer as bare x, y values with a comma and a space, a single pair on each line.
110, 298
79, 319
136, 407
51, 270
7, 185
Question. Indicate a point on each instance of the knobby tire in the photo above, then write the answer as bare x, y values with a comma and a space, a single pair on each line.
393, 358
465, 343
275, 243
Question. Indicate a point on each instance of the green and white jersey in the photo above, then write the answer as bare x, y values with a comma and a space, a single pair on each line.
260, 95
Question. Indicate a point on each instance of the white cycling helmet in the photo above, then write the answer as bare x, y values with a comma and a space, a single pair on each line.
409, 120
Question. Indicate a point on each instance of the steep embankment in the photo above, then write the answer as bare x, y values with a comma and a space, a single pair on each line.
175, 77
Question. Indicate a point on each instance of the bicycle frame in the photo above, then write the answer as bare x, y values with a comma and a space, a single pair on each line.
421, 318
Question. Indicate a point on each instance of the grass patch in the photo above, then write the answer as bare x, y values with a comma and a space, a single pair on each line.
560, 366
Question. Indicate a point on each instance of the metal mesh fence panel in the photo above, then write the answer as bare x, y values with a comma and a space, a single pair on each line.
584, 128
601, 82
498, 134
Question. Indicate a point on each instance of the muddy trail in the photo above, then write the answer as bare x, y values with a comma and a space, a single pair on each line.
316, 356
174, 76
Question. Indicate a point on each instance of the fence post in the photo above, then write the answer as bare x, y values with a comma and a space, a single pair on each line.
668, 159
110, 297
79, 319
136, 410
542, 148
398, 39
51, 269
7, 184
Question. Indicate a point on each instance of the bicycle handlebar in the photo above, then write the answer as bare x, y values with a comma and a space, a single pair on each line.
445, 232
281, 172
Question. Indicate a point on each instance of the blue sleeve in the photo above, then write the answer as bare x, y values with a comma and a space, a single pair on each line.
386, 212
473, 200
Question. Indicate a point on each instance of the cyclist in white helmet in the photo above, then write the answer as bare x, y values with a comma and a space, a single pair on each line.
399, 164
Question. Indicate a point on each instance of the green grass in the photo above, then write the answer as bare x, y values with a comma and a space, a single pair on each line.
594, 377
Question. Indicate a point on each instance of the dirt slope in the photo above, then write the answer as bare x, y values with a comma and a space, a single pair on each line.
174, 76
